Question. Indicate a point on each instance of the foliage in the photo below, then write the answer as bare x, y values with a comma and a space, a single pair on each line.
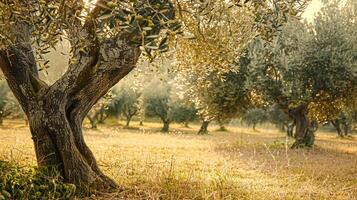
32, 183
216, 33
254, 117
157, 104
126, 101
143, 18
309, 64
221, 98
183, 113
278, 117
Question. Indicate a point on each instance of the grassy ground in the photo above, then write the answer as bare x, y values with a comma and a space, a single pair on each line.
239, 164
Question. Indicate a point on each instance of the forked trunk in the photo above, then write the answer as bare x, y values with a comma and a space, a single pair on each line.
204, 128
56, 112
304, 131
59, 144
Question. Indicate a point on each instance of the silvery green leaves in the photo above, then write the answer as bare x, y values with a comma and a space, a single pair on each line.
149, 24
271, 15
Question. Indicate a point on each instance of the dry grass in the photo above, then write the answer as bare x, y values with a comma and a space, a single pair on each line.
239, 164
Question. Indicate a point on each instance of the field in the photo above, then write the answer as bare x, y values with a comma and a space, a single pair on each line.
238, 164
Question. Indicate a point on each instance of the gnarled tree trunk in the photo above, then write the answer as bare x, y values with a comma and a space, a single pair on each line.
59, 143
56, 112
304, 131
204, 128
99, 59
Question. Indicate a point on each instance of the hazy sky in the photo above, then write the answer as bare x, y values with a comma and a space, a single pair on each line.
311, 10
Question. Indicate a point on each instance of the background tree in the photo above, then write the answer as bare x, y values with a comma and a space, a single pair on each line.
106, 40
254, 117
105, 45
211, 45
157, 103
341, 124
281, 120
309, 72
183, 113
207, 55
127, 102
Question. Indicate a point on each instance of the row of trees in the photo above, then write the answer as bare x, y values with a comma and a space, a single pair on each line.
106, 41
308, 71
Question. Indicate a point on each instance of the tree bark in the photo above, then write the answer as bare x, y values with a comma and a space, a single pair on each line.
204, 128
166, 126
56, 112
337, 126
59, 144
304, 131
128, 119
346, 129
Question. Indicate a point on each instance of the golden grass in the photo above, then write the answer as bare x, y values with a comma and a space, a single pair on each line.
239, 164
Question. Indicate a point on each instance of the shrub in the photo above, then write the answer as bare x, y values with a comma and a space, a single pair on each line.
32, 183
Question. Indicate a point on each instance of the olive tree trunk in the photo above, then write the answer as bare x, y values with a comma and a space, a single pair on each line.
304, 131
204, 128
337, 126
129, 113
56, 112
166, 126
93, 122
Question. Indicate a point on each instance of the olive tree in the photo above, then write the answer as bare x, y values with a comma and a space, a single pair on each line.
281, 120
127, 102
183, 111
309, 70
207, 57
255, 116
106, 40
157, 103
341, 124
